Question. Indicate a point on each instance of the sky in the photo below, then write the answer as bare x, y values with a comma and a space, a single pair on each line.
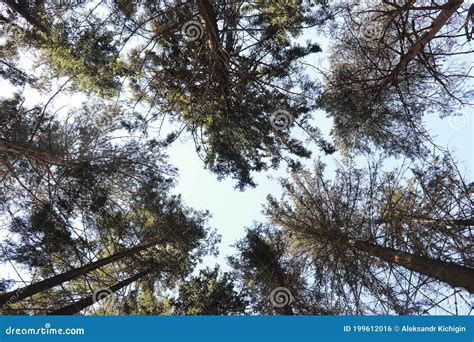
233, 210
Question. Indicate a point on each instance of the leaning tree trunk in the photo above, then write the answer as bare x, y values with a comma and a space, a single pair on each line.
46, 284
450, 273
83, 303
446, 13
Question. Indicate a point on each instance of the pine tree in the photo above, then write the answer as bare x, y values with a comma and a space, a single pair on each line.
209, 293
276, 279
392, 64
371, 231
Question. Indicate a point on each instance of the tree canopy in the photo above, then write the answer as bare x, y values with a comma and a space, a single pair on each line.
95, 95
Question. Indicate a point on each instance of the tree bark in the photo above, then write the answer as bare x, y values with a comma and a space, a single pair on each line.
287, 311
450, 273
83, 303
206, 10
42, 156
446, 13
46, 284
208, 14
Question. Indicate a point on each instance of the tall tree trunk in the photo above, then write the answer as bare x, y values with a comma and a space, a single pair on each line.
208, 14
83, 303
39, 155
446, 13
450, 273
46, 284
287, 310
209, 19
